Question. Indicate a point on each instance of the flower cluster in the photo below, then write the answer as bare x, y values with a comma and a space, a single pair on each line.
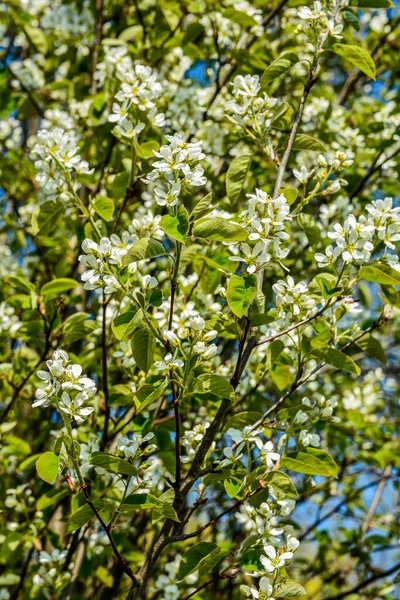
66, 387
251, 109
177, 167
139, 90
320, 20
57, 162
293, 301
265, 220
52, 577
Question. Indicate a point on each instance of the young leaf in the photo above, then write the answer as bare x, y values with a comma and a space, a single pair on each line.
236, 175
58, 286
192, 558
176, 227
123, 325
203, 207
143, 346
380, 273
337, 359
241, 293
144, 248
289, 589
148, 394
84, 514
358, 57
47, 467
219, 229
373, 348
312, 462
104, 208
46, 216
303, 141
310, 228
282, 483
214, 384
112, 463
279, 66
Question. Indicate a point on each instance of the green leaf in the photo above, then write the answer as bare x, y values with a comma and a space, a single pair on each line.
310, 228
148, 501
236, 175
47, 467
58, 286
372, 3
52, 497
148, 394
282, 483
373, 348
36, 37
120, 183
380, 273
143, 346
146, 150
358, 57
144, 248
104, 208
241, 293
337, 359
279, 66
240, 17
219, 229
203, 207
192, 558
46, 216
84, 514
123, 325
352, 20
176, 227
112, 463
232, 487
303, 141
214, 384
241, 420
289, 589
312, 462
274, 350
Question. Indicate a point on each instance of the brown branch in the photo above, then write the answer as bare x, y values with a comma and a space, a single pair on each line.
104, 373
299, 382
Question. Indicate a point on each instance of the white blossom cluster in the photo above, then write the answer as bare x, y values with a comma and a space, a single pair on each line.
293, 301
58, 161
139, 90
355, 240
251, 109
178, 166
51, 576
321, 20
66, 387
265, 220
9, 322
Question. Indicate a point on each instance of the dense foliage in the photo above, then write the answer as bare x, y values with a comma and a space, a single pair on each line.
198, 307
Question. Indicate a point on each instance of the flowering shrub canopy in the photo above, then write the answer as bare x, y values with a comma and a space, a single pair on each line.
199, 299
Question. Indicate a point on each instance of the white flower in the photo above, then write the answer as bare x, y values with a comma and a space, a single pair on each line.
272, 560
149, 282
267, 453
265, 586
197, 324
303, 175
309, 439
300, 417
168, 363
